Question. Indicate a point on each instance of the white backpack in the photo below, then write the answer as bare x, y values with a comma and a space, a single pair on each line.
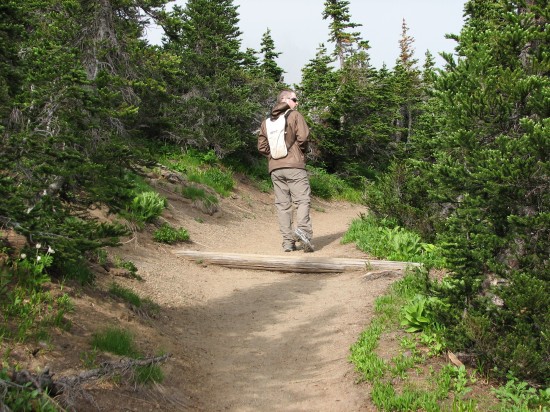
276, 130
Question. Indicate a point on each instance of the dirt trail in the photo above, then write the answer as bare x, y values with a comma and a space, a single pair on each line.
245, 340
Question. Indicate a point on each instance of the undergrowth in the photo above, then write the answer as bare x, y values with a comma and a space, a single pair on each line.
418, 375
381, 238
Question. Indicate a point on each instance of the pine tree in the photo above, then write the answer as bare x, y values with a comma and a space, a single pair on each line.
317, 97
345, 41
65, 146
269, 65
408, 85
214, 107
490, 172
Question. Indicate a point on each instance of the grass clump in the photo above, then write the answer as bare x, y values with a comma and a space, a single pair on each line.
170, 235
115, 340
220, 180
121, 342
144, 306
206, 202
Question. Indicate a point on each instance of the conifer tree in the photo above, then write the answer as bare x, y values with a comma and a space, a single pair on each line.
65, 145
318, 95
408, 85
490, 172
214, 108
269, 65
346, 42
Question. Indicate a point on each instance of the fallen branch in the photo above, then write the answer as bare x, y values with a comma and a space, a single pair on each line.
44, 383
107, 369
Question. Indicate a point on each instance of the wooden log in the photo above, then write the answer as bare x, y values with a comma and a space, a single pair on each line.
305, 263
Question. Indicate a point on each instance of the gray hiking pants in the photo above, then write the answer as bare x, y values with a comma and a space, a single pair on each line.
292, 193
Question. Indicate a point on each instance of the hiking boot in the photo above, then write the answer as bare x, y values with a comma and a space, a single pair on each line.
291, 247
307, 246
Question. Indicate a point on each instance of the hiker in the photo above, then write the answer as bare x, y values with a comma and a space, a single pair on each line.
283, 139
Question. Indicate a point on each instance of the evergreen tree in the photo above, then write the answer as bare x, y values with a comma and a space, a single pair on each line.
317, 97
269, 65
490, 172
211, 107
65, 144
408, 85
337, 11
12, 32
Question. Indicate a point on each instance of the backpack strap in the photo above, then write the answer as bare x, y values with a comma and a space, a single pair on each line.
287, 113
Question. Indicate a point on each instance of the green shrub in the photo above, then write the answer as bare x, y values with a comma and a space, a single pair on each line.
170, 235
401, 194
146, 206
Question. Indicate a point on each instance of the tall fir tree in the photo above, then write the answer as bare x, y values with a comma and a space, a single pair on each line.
408, 84
269, 65
346, 42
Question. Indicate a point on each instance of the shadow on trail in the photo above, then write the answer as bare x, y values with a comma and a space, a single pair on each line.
261, 341
322, 241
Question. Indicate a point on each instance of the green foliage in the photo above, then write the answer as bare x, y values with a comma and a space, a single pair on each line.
202, 167
148, 374
415, 316
328, 186
221, 181
269, 65
140, 305
392, 388
170, 235
125, 294
519, 396
401, 194
147, 206
121, 342
380, 238
23, 398
126, 264
27, 309
77, 270
207, 201
115, 340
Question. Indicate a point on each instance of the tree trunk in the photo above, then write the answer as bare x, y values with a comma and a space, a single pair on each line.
304, 263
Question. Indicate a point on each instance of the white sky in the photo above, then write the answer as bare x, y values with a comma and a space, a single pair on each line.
297, 28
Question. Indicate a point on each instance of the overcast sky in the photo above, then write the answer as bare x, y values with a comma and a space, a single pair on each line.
297, 28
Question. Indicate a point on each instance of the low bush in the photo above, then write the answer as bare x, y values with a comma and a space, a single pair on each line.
170, 235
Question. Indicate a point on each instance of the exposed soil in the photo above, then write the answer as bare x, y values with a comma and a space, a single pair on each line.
240, 340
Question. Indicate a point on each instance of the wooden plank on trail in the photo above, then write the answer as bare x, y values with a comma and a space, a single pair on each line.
304, 263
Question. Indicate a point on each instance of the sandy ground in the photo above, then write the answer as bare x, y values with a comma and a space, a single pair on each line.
240, 340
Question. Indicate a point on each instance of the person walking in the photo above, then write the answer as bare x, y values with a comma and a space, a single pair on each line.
283, 139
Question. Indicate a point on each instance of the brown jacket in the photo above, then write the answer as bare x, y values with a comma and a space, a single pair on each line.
296, 137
